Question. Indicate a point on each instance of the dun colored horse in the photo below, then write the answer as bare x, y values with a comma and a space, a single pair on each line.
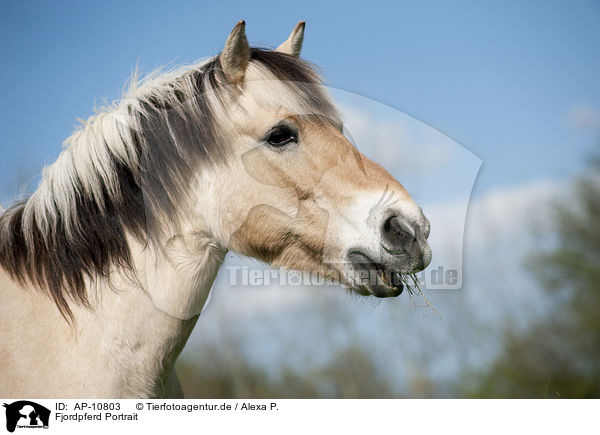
106, 267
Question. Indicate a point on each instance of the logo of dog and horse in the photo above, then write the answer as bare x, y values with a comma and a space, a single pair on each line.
26, 414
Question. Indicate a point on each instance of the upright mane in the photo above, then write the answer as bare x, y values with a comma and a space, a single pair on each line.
125, 168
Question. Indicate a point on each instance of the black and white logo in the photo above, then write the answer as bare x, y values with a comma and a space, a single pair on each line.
27, 415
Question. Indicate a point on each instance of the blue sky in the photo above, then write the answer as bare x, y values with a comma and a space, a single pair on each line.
500, 79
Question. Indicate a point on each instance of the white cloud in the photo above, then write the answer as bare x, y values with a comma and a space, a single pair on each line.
396, 142
506, 212
583, 116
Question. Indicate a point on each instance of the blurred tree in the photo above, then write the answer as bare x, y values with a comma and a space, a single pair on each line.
223, 369
558, 356
227, 374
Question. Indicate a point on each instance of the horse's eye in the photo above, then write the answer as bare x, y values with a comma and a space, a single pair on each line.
281, 136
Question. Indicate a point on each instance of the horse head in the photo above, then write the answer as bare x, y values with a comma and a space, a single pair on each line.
295, 192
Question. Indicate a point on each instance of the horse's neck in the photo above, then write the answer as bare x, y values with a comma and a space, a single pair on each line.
139, 342
145, 323
124, 346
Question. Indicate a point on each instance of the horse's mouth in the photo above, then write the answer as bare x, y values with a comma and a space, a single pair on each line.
372, 278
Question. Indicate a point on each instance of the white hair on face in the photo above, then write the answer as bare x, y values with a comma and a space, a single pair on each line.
129, 166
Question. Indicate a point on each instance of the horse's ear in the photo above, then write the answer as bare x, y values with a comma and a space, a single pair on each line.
293, 44
236, 54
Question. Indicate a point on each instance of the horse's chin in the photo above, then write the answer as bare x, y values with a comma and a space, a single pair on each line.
369, 278
379, 291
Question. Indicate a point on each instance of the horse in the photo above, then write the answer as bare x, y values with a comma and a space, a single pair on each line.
106, 267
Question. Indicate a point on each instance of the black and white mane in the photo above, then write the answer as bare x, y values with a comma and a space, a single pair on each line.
125, 171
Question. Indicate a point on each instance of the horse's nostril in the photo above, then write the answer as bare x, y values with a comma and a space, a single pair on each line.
399, 235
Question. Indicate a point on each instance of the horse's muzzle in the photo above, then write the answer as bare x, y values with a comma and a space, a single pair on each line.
403, 251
